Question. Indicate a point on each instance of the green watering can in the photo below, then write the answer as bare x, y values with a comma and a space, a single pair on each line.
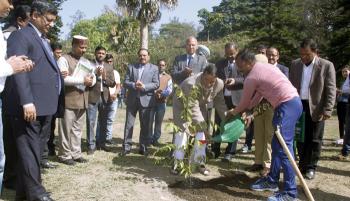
230, 130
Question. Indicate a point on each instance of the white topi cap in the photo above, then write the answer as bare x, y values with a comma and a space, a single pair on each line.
79, 39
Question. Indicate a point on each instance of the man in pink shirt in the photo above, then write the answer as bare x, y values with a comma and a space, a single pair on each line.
264, 81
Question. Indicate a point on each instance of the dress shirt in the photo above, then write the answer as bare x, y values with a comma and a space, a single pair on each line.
189, 59
112, 90
228, 72
305, 80
5, 68
169, 88
345, 91
100, 77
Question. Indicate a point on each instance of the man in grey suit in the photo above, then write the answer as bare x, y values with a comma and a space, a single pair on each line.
273, 56
314, 78
188, 64
141, 81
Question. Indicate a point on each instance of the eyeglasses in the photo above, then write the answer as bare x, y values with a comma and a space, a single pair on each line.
48, 20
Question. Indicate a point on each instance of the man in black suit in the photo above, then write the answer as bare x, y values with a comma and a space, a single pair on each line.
31, 99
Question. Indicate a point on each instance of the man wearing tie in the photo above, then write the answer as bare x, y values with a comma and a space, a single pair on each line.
31, 99
232, 93
141, 81
189, 63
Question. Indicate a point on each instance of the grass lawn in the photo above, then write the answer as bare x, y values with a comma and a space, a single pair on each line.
108, 176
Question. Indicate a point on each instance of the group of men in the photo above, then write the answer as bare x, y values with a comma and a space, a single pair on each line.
42, 85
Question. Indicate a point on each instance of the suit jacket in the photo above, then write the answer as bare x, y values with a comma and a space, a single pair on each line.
322, 88
284, 69
149, 77
200, 106
95, 91
237, 88
39, 86
197, 65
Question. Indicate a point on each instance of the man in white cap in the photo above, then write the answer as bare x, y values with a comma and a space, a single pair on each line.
76, 102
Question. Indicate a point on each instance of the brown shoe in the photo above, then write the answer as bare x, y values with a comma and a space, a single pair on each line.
255, 168
342, 158
265, 172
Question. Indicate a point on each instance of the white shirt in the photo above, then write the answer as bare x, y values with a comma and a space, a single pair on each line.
228, 74
112, 90
305, 80
5, 68
346, 86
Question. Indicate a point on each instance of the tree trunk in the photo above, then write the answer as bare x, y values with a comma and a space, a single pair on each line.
144, 34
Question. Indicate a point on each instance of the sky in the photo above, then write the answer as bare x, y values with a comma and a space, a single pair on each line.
186, 11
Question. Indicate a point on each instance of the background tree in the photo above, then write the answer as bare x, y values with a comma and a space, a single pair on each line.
54, 33
147, 12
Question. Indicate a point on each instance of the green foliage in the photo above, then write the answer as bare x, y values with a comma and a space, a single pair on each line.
175, 32
185, 166
54, 32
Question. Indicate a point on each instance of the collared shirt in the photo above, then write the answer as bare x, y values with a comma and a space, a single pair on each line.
345, 91
5, 68
190, 59
305, 80
112, 90
140, 71
97, 64
228, 72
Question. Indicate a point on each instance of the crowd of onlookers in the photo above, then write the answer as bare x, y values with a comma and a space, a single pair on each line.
44, 89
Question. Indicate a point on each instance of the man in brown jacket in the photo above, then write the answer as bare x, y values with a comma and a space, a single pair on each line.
76, 102
98, 101
314, 78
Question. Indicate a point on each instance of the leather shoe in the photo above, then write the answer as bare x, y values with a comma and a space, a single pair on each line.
45, 198
52, 152
67, 162
310, 174
47, 165
143, 152
81, 160
90, 151
255, 168
104, 148
227, 158
125, 152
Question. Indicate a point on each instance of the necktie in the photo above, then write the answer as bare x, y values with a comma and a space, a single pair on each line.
189, 61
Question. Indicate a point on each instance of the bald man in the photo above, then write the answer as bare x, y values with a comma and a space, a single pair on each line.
188, 64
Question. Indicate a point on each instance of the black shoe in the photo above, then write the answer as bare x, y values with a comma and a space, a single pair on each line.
47, 165
310, 174
109, 142
80, 160
143, 152
52, 152
90, 151
67, 162
156, 144
125, 152
20, 198
44, 198
104, 148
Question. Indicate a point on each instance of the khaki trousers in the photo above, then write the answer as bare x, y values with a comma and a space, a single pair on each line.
263, 131
69, 134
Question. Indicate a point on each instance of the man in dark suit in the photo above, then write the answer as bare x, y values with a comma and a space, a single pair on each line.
141, 81
98, 100
188, 64
273, 56
226, 69
314, 78
31, 99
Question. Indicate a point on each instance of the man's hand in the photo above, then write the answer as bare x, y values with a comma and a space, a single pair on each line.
64, 73
20, 64
113, 96
88, 80
139, 85
229, 82
29, 113
248, 119
230, 113
99, 70
325, 117
188, 71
